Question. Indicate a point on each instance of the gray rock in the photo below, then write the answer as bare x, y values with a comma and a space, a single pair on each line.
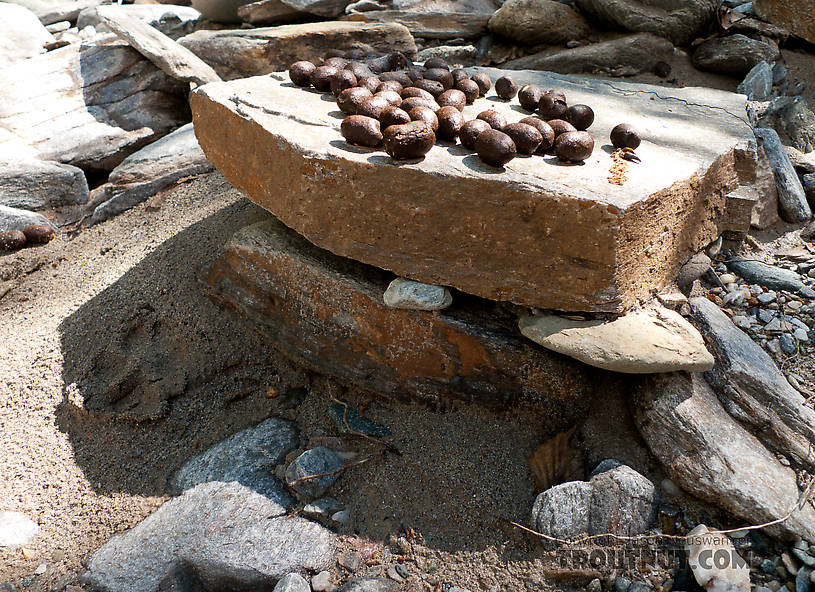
155, 166
734, 55
803, 163
37, 185
766, 297
269, 12
792, 203
405, 293
16, 529
54, 11
803, 581
594, 586
563, 511
464, 55
538, 21
171, 20
808, 182
248, 457
792, 119
681, 21
696, 267
292, 582
627, 55
322, 509
220, 11
640, 587
760, 273
228, 535
313, 462
788, 344
622, 584
710, 455
23, 34
16, 219
758, 84
765, 212
369, 585
607, 464
321, 582
804, 558
178, 579
323, 8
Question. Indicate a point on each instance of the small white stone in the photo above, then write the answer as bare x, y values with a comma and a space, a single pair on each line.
669, 487
801, 335
742, 322
727, 278
41, 569
407, 294
342, 517
322, 582
16, 529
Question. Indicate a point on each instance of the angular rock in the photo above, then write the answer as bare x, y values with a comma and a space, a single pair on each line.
732, 575
17, 219
792, 202
16, 529
228, 535
248, 457
165, 53
269, 12
762, 274
220, 11
627, 55
23, 35
316, 461
804, 163
327, 313
538, 21
758, 394
324, 8
563, 511
642, 342
692, 270
602, 250
795, 15
242, 53
170, 20
157, 165
708, 454
465, 55
792, 119
433, 25
410, 295
765, 212
758, 84
681, 21
735, 55
37, 185
89, 106
292, 582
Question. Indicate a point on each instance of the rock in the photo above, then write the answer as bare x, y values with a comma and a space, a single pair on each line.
144, 173
808, 183
538, 21
53, 11
792, 203
302, 139
748, 378
170, 20
322, 582
730, 574
792, 119
23, 34
349, 421
787, 343
627, 55
242, 53
433, 25
795, 15
711, 456
37, 185
762, 274
369, 585
315, 461
464, 55
803, 557
169, 56
765, 212
269, 12
758, 84
248, 457
681, 21
410, 295
696, 267
803, 580
563, 511
327, 312
220, 11
804, 163
735, 55
641, 342
324, 8
16, 529
322, 509
17, 219
228, 535
292, 582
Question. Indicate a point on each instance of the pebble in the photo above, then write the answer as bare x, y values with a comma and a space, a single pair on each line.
774, 585
594, 586
394, 574
789, 564
766, 297
16, 529
403, 571
315, 461
342, 517
350, 560
811, 547
765, 316
788, 344
622, 584
804, 557
41, 569
742, 322
407, 294
801, 335
322, 582
727, 278
767, 566
292, 582
802, 581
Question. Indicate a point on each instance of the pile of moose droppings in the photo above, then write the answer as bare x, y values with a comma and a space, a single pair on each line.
403, 107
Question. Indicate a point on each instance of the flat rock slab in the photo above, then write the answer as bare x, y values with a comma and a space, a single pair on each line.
536, 233
327, 313
33, 184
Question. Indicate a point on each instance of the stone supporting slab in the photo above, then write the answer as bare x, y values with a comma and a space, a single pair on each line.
536, 233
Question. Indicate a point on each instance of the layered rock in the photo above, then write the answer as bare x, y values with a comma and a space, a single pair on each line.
37, 185
538, 21
537, 233
794, 15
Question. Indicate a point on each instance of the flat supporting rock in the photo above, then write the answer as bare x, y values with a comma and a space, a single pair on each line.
327, 312
537, 233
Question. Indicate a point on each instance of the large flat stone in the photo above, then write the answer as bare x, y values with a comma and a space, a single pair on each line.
327, 312
536, 233
796, 15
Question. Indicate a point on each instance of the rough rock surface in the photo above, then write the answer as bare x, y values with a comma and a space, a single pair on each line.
707, 453
37, 185
324, 8
269, 12
89, 106
143, 173
794, 15
758, 84
538, 21
23, 35
242, 53
793, 120
327, 312
292, 582
228, 535
434, 25
248, 457
730, 576
765, 212
678, 20
17, 219
171, 20
604, 245
315, 461
641, 342
54, 11
792, 202
734, 55
407, 294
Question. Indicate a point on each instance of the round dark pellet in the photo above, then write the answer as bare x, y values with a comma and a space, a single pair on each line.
495, 119
574, 146
470, 90
483, 81
300, 72
350, 99
11, 240
342, 80
321, 77
436, 63
552, 105
440, 75
434, 87
361, 130
625, 135
506, 87
471, 130
372, 107
580, 116
529, 96
450, 122
546, 132
495, 148
561, 126
393, 116
452, 98
409, 140
526, 138
425, 114
412, 102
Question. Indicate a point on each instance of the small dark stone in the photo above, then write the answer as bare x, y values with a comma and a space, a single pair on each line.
470, 131
361, 130
440, 75
402, 570
321, 77
11, 240
580, 116
552, 105
470, 90
483, 81
495, 119
348, 421
336, 62
560, 126
625, 135
38, 233
546, 132
452, 98
410, 140
425, 114
300, 72
434, 87
450, 122
574, 146
359, 69
526, 137
662, 69
401, 77
506, 87
495, 148
393, 116
529, 96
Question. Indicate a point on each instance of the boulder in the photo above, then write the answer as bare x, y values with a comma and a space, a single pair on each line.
242, 53
248, 457
432, 25
758, 84
626, 55
89, 106
641, 342
538, 21
23, 35
38, 185
794, 15
324, 8
765, 212
229, 536
269, 12
171, 20
792, 202
143, 173
16, 529
602, 251
17, 219
792, 119
758, 395
707, 453
735, 55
